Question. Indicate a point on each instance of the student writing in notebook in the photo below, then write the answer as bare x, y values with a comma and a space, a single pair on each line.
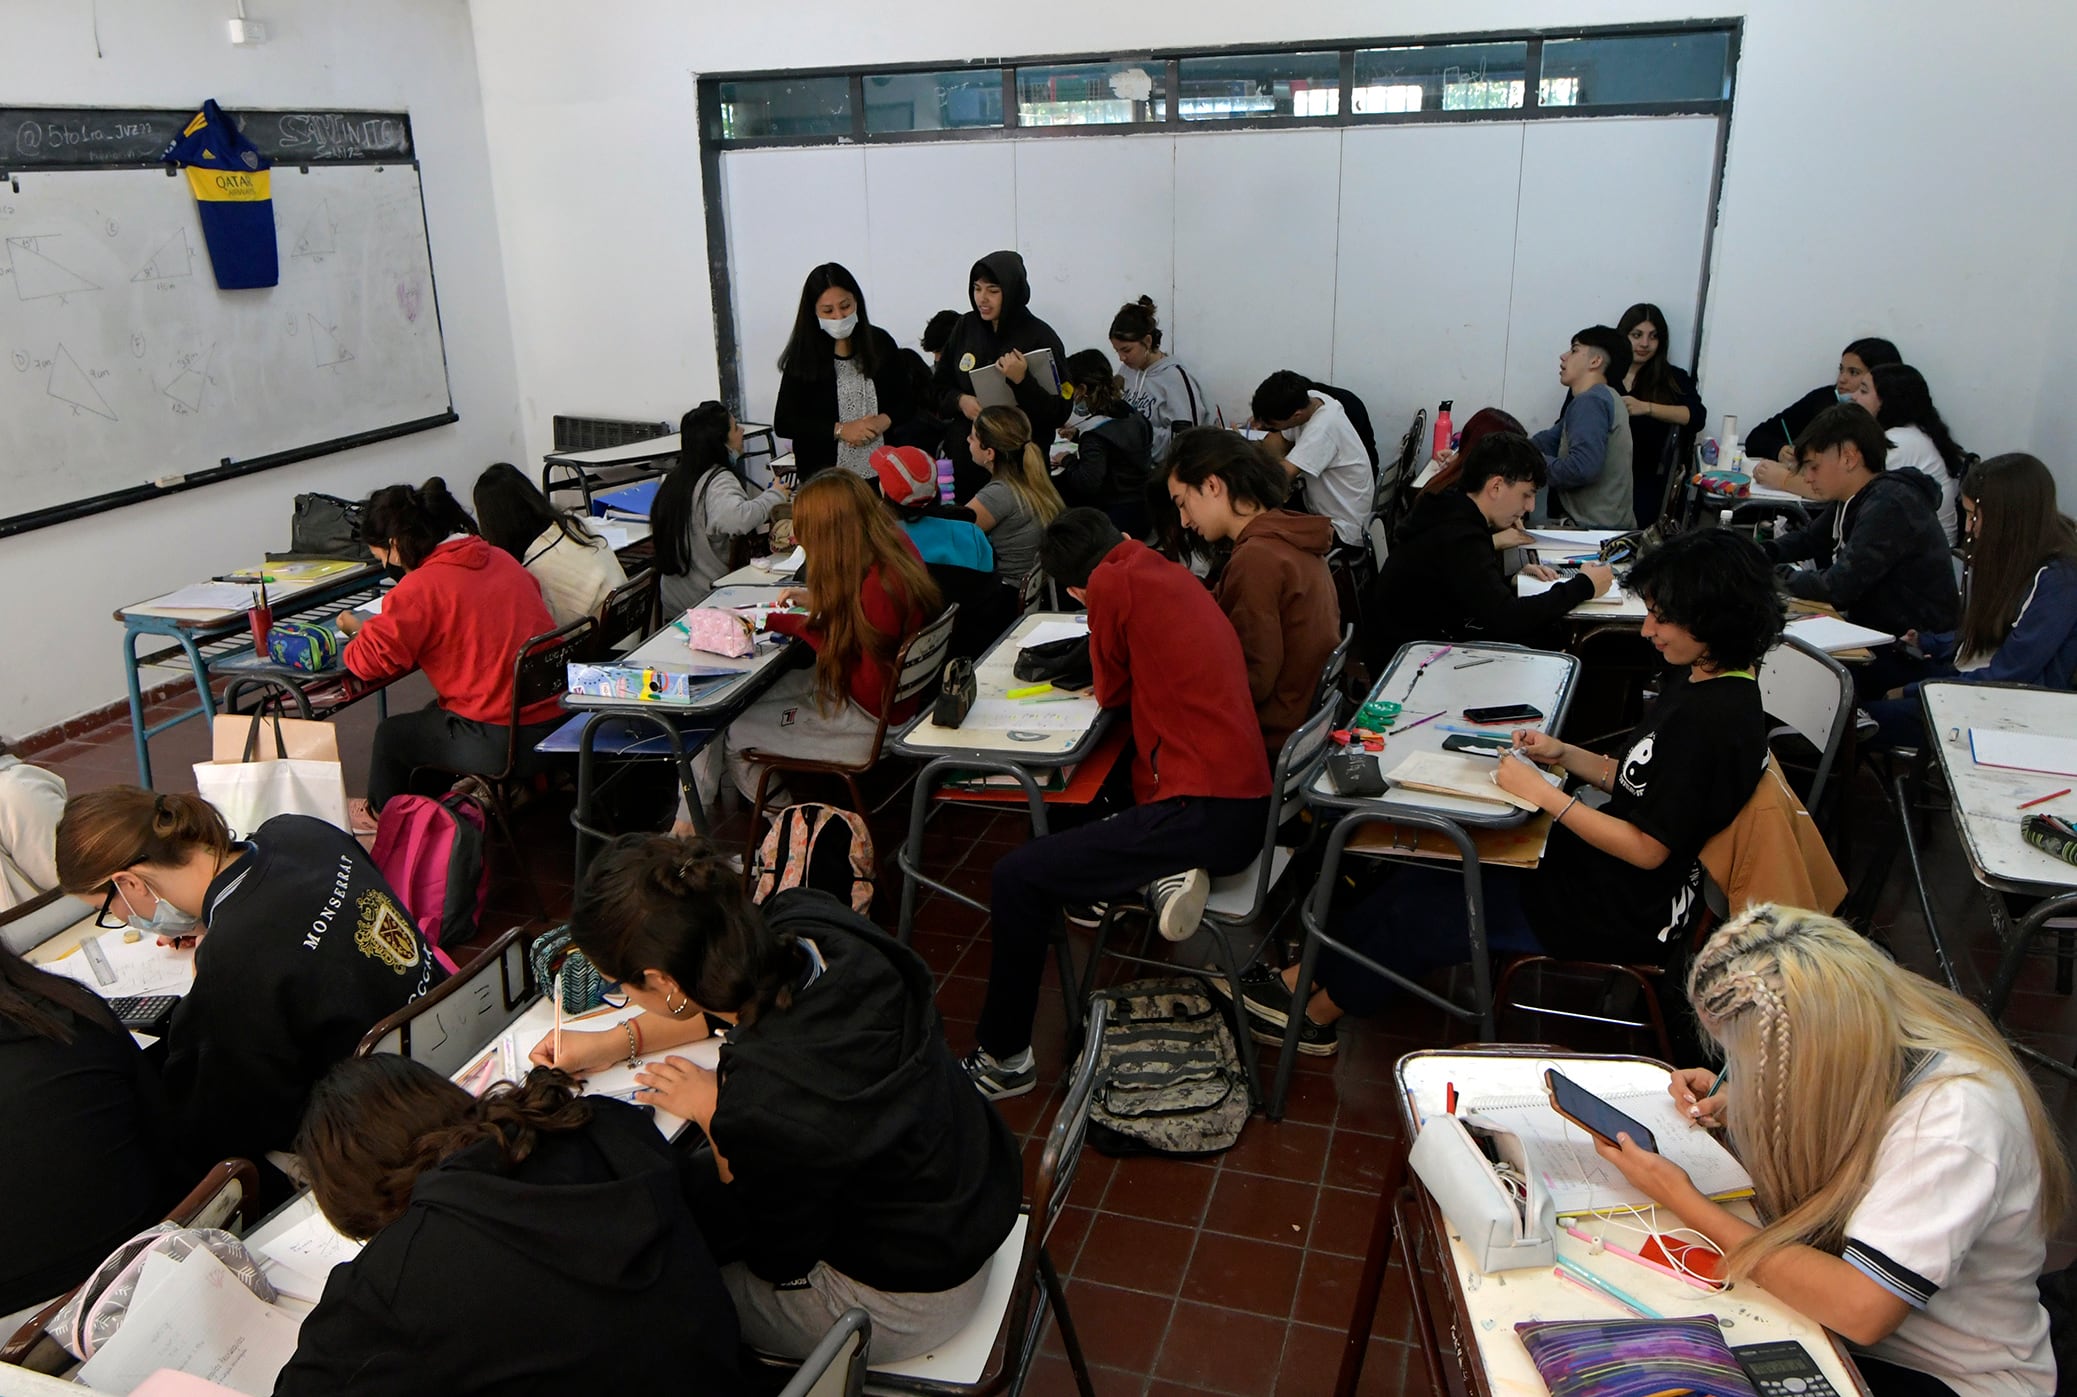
576, 568
1908, 1172
1312, 435
851, 1161
706, 515
1771, 441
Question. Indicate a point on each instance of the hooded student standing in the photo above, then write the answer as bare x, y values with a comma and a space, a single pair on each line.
999, 330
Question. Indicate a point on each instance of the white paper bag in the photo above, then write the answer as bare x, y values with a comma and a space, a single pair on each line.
250, 793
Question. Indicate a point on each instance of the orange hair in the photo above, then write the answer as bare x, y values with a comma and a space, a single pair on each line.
847, 533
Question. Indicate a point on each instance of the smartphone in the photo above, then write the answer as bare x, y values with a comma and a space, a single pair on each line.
1505, 713
1593, 1115
1476, 746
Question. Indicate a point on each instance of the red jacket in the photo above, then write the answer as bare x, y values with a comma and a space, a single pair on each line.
1158, 642
461, 616
888, 614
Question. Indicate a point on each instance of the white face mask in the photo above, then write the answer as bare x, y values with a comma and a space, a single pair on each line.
165, 919
840, 329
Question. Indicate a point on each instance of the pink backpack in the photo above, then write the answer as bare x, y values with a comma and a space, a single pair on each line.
431, 854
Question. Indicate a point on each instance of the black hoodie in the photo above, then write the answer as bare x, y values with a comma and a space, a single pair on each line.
578, 1270
852, 1134
1882, 557
975, 342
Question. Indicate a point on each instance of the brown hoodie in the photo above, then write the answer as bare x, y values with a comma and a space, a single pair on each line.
1277, 592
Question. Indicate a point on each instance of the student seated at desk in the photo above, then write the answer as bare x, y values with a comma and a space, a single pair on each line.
301, 948
1200, 779
1588, 450
851, 1162
31, 802
1017, 503
1617, 881
85, 1163
575, 567
705, 513
462, 613
529, 1206
1445, 580
1910, 1172
1275, 587
1774, 438
1896, 396
1113, 456
842, 383
1878, 551
999, 330
2019, 617
944, 535
1156, 383
1311, 434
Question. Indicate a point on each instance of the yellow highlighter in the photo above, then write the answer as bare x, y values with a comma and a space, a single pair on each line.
1033, 692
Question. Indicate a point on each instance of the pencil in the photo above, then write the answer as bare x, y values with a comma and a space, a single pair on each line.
1717, 1085
558, 1017
1623, 1298
2043, 800
1416, 723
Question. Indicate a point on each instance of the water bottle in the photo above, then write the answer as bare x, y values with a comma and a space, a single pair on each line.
1443, 434
946, 488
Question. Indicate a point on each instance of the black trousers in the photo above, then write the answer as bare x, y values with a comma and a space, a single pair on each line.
1889, 1380
433, 737
1097, 861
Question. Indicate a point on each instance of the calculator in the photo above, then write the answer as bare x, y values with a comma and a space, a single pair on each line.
1783, 1368
145, 1013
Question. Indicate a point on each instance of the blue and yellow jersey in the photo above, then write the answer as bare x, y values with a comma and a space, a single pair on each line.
234, 198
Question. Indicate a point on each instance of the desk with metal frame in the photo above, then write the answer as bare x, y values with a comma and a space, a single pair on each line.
629, 462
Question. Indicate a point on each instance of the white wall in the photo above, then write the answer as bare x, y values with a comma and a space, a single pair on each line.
1885, 174
59, 586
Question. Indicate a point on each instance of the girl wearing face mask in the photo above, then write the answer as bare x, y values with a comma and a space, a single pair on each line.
302, 949
842, 385
1770, 444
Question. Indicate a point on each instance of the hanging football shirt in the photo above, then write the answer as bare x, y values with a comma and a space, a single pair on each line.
233, 196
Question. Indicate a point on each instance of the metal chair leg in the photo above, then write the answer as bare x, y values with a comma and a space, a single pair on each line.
1057, 1295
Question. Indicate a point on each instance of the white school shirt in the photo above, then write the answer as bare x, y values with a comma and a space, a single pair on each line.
1911, 449
575, 580
32, 801
1340, 482
1951, 1225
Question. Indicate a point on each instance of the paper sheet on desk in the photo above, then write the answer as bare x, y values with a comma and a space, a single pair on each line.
206, 596
781, 566
300, 1260
1014, 715
1527, 586
137, 967
1832, 634
195, 1317
2024, 751
1046, 632
506, 1060
1573, 538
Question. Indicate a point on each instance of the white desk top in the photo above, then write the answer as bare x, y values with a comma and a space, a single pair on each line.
1986, 799
1627, 606
290, 580
666, 650
626, 454
1496, 1303
1009, 727
751, 575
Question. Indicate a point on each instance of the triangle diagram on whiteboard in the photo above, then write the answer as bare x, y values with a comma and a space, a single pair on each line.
37, 273
69, 384
171, 258
317, 237
324, 341
188, 385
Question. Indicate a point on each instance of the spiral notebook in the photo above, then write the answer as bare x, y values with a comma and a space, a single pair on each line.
1579, 1181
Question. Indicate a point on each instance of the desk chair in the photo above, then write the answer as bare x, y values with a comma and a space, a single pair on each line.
918, 666
629, 610
451, 1024
1400, 504
1811, 695
1031, 588
540, 671
837, 1366
27, 925
1004, 1333
1335, 670
224, 1199
1240, 900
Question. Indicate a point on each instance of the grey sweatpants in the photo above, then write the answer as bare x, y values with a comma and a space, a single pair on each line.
786, 720
788, 1321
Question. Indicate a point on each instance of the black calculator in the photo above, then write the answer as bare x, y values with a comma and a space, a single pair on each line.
145, 1013
1783, 1369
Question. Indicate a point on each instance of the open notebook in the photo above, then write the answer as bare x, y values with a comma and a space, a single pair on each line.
1445, 773
1578, 1180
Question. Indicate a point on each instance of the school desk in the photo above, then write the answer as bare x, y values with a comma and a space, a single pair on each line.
586, 471
1481, 1310
1985, 804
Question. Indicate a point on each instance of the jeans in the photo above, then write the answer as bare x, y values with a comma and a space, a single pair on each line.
1414, 923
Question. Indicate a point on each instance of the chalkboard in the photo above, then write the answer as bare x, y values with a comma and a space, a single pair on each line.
34, 138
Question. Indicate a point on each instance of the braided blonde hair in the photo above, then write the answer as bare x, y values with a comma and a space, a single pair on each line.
1819, 1030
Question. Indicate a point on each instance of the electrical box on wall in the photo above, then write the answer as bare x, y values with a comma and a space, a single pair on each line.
247, 32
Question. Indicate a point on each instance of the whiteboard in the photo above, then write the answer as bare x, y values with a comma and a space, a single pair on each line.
122, 364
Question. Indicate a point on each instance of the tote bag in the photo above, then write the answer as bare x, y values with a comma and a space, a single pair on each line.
253, 779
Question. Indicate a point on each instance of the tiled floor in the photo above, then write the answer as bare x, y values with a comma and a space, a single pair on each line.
1230, 1275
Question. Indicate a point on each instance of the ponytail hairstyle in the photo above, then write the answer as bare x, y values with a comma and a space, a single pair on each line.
838, 519
661, 902
1906, 401
514, 513
1135, 321
375, 1123
1019, 463
1089, 370
414, 520
702, 449
2019, 530
30, 998
106, 831
1821, 1033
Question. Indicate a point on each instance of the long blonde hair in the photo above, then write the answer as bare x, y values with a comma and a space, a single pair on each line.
1820, 1032
846, 532
1019, 463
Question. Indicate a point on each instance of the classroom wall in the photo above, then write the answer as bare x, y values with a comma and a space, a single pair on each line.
1884, 175
59, 586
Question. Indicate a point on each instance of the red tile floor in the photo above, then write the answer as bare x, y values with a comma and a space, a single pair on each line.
1229, 1276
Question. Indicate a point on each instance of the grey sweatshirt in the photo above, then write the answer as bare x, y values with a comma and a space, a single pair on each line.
723, 510
1588, 451
1166, 394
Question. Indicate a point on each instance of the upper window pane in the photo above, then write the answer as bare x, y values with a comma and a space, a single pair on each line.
1635, 68
1264, 84
1092, 94
1440, 78
767, 107
946, 101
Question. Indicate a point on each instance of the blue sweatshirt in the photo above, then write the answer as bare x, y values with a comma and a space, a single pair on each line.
1587, 451
2041, 647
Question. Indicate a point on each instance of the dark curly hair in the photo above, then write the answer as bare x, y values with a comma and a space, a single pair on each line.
1717, 586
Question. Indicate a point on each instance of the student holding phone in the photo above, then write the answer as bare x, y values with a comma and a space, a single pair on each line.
1911, 1173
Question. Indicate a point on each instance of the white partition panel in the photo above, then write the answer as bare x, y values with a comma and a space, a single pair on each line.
933, 211
788, 211
1096, 224
1426, 268
1613, 210
1256, 232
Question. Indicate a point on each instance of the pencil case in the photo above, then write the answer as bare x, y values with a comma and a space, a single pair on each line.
956, 695
303, 645
719, 632
2050, 835
551, 953
1500, 1232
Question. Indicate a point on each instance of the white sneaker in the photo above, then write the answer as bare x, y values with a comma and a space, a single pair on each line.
1178, 902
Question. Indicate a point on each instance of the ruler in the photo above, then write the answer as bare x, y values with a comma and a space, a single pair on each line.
104, 973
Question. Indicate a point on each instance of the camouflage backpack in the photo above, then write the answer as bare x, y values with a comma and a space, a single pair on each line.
1168, 1079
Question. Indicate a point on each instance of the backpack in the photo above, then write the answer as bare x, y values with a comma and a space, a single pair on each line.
325, 526
430, 852
1359, 416
98, 1307
816, 846
308, 646
1168, 1078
